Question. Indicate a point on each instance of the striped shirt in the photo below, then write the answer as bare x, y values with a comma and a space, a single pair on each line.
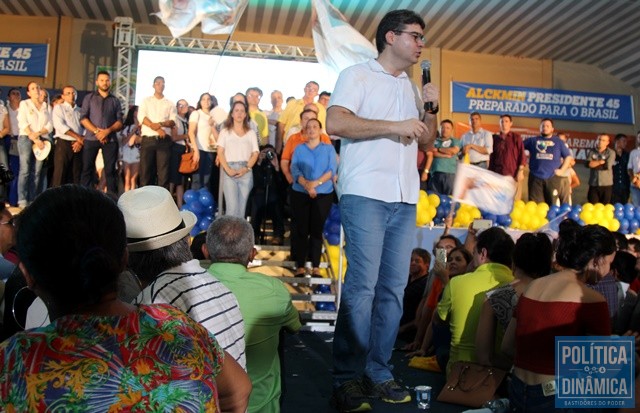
205, 299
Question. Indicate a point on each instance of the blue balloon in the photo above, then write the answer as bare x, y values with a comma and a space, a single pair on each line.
330, 306
194, 231
206, 199
321, 306
566, 207
333, 239
196, 207
555, 209
334, 214
628, 209
440, 211
618, 206
624, 226
633, 226
186, 207
619, 214
551, 214
492, 217
506, 221
445, 200
203, 190
629, 214
334, 228
581, 222
190, 196
576, 208
574, 215
637, 214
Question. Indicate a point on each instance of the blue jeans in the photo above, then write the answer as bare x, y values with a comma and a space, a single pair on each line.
524, 398
28, 183
379, 238
236, 190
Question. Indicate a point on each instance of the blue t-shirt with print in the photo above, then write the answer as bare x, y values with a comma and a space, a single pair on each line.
545, 155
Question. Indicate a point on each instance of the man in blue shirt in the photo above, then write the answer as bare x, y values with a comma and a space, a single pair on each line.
549, 159
101, 117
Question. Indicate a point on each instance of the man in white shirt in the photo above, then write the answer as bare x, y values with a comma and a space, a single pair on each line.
157, 116
69, 140
477, 143
373, 109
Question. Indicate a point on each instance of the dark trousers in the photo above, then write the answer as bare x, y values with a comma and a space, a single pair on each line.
110, 155
307, 222
155, 158
67, 164
547, 190
600, 194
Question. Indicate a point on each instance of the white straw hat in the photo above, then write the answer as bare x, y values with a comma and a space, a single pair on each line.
152, 218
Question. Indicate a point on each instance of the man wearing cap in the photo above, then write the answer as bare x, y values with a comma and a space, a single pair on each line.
265, 304
159, 254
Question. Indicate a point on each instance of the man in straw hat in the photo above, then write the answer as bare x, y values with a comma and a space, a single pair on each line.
158, 244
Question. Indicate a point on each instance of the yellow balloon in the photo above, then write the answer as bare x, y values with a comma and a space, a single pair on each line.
609, 207
587, 216
422, 218
515, 224
476, 214
423, 194
516, 215
598, 216
542, 206
531, 207
608, 215
534, 223
519, 204
432, 212
525, 221
434, 200
588, 207
463, 217
614, 225
599, 206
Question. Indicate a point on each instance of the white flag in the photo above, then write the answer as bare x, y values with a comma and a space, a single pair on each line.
337, 44
489, 191
216, 16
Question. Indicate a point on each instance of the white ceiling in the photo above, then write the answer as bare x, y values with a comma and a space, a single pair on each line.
604, 33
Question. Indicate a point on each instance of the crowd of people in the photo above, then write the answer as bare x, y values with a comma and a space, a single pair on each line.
501, 303
117, 282
552, 177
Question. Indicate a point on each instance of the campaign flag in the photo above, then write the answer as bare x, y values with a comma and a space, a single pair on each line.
484, 189
223, 16
216, 16
337, 44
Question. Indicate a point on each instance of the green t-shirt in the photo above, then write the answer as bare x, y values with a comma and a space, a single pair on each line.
446, 165
461, 304
265, 305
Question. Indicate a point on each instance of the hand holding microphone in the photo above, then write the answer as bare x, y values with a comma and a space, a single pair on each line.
430, 92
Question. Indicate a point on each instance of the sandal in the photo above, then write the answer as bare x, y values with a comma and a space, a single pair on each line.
300, 272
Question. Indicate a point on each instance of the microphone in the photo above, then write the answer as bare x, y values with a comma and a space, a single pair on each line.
426, 78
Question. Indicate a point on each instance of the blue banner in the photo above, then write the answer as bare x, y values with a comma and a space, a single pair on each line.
594, 372
542, 103
24, 59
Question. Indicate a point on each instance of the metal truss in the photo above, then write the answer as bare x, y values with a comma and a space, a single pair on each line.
123, 40
216, 47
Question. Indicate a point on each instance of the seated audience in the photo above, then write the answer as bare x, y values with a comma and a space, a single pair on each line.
438, 341
265, 305
72, 245
413, 292
560, 304
531, 260
158, 244
461, 301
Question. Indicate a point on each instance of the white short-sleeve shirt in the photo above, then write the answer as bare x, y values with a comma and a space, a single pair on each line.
380, 167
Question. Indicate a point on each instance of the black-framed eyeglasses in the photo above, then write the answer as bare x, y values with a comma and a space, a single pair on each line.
418, 37
11, 222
